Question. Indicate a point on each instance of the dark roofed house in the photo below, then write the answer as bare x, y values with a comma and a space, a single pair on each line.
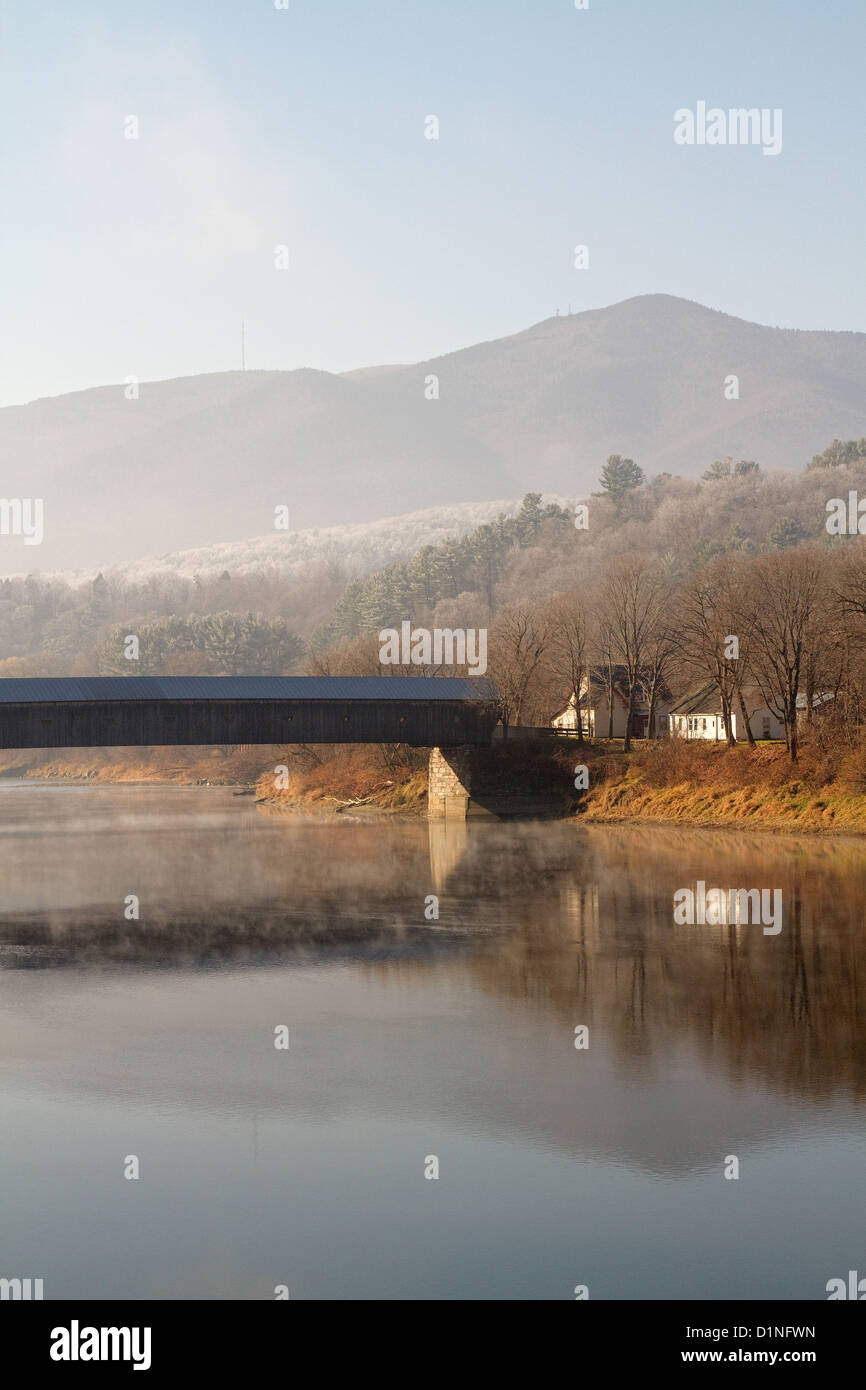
593, 705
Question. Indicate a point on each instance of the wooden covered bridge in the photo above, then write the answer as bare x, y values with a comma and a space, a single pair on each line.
148, 711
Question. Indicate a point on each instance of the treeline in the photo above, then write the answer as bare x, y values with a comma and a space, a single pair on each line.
473, 564
220, 624
784, 629
733, 509
225, 644
266, 621
840, 454
733, 580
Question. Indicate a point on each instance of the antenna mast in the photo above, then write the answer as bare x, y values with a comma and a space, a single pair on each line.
243, 347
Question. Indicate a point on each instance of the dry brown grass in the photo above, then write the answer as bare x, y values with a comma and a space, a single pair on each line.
710, 784
390, 779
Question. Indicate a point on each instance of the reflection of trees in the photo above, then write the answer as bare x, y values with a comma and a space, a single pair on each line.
596, 939
577, 922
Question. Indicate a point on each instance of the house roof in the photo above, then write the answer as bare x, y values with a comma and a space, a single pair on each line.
620, 690
703, 701
822, 697
598, 674
707, 700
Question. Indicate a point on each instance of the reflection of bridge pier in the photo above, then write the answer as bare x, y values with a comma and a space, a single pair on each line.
448, 838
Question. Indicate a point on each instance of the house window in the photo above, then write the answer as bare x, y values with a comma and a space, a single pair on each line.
703, 723
766, 727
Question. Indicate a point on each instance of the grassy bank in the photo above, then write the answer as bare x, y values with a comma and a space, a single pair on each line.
676, 782
694, 784
335, 779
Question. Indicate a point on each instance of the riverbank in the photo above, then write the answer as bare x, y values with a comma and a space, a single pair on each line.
339, 778
711, 785
503, 778
657, 783
181, 767
670, 782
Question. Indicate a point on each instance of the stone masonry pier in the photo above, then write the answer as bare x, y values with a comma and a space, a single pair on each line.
483, 782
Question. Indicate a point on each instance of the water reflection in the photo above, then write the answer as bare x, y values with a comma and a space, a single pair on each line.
569, 920
408, 1034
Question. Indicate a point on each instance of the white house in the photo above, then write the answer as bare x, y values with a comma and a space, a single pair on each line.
699, 715
594, 709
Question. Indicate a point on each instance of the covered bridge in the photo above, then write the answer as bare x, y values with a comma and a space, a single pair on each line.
117, 711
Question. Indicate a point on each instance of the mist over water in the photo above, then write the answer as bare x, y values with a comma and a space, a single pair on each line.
411, 1038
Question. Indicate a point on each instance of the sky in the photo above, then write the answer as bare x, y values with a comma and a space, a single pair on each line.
304, 128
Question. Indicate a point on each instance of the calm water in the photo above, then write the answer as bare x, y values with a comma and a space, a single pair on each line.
410, 1038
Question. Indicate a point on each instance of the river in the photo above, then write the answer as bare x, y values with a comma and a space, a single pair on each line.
415, 1044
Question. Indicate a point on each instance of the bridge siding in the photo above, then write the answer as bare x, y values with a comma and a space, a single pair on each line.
163, 722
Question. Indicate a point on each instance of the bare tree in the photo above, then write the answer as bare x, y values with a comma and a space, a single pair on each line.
704, 623
848, 591
568, 647
660, 655
634, 595
605, 641
849, 584
518, 640
783, 606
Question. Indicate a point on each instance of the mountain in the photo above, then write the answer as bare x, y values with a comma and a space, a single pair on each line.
205, 459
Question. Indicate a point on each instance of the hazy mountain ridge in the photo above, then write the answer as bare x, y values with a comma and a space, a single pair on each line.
357, 549
200, 460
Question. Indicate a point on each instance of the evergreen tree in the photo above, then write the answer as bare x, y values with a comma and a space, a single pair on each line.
619, 476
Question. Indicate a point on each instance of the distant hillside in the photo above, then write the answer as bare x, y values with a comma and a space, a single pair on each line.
205, 459
260, 607
356, 549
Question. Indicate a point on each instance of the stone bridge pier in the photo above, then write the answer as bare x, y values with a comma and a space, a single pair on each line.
496, 783
449, 783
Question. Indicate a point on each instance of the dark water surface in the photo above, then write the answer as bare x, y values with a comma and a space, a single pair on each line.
410, 1039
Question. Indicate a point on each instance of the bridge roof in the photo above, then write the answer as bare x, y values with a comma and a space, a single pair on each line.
54, 689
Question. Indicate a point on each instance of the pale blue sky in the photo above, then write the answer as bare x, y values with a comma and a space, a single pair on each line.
306, 127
